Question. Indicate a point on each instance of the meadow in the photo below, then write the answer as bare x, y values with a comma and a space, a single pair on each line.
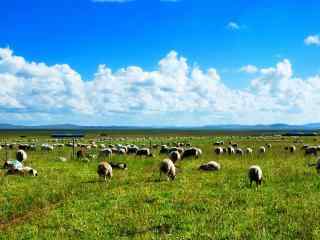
67, 200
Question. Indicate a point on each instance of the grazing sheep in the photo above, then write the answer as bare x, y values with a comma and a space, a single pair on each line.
230, 150
107, 152
21, 155
174, 156
104, 170
210, 166
218, 150
119, 165
46, 147
164, 149
255, 175
191, 152
239, 151
168, 168
249, 150
262, 149
132, 150
269, 145
144, 152
313, 150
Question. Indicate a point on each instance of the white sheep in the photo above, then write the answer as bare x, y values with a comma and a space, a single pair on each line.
21, 155
106, 152
104, 170
255, 175
168, 168
218, 150
262, 149
210, 166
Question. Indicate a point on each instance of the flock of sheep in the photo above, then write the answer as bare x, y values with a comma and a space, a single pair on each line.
167, 166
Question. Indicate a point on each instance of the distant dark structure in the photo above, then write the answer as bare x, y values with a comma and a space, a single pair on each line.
68, 135
300, 134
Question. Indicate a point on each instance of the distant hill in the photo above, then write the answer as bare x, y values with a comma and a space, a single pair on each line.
234, 127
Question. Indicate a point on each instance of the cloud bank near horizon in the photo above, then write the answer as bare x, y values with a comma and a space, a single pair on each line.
176, 93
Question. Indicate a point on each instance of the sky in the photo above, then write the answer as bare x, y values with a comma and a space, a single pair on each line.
159, 62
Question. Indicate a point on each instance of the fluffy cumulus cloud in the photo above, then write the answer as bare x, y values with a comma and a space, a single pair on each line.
312, 40
176, 93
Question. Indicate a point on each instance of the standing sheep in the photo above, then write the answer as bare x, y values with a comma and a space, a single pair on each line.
104, 170
255, 175
168, 168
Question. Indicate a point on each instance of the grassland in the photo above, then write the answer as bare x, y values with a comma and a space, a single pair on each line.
68, 201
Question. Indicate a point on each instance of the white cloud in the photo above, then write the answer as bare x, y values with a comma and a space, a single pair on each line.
174, 93
249, 69
233, 26
312, 40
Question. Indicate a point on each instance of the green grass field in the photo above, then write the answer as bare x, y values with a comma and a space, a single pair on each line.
68, 200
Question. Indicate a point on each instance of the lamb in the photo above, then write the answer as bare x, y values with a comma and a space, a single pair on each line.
210, 166
104, 170
174, 156
192, 152
255, 175
168, 168
269, 145
119, 165
21, 155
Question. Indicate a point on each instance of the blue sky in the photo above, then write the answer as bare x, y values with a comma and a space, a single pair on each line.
73, 39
